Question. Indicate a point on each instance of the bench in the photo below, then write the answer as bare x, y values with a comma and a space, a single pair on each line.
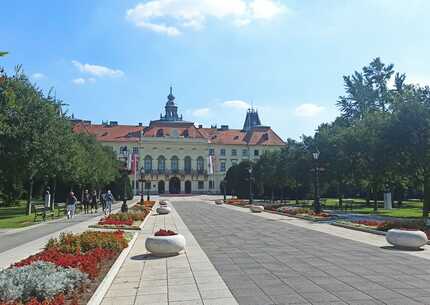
348, 202
41, 210
61, 208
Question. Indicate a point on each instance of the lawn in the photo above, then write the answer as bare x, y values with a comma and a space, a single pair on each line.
15, 217
409, 209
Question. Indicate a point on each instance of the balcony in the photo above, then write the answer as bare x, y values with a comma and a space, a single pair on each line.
155, 173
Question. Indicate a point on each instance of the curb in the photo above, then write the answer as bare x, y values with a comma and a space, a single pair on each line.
376, 232
102, 289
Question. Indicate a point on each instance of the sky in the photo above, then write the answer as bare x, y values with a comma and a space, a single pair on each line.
115, 60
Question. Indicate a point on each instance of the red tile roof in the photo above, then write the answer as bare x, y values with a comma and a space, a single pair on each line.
130, 133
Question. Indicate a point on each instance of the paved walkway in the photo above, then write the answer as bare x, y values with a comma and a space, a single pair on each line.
185, 279
267, 261
27, 241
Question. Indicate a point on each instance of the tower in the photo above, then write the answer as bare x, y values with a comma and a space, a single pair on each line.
252, 120
171, 110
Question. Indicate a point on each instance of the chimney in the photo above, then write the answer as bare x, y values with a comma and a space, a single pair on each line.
113, 123
200, 126
224, 127
140, 124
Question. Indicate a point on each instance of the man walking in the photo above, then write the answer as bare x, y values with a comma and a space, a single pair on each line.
109, 201
71, 205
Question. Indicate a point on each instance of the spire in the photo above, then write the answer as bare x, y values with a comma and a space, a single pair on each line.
252, 120
170, 97
171, 110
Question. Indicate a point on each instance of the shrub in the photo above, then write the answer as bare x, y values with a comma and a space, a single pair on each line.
115, 222
39, 280
57, 300
88, 240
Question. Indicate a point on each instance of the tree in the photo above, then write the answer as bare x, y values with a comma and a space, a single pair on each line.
2, 53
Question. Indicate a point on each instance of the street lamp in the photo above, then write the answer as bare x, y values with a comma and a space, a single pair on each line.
126, 172
251, 195
317, 204
224, 188
142, 175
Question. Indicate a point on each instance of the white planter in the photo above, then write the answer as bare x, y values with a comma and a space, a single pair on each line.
163, 210
219, 201
164, 202
165, 245
256, 208
406, 239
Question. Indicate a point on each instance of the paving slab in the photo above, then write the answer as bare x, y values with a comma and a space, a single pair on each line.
270, 259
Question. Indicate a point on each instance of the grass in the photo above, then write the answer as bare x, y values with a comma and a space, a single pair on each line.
409, 209
16, 217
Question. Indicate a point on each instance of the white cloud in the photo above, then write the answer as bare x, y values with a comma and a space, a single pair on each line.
96, 70
308, 110
201, 112
38, 75
237, 104
171, 16
79, 81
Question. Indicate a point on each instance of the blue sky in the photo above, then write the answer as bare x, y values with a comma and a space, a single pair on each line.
115, 60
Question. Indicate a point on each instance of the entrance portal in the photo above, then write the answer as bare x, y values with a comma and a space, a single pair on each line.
174, 185
161, 187
188, 187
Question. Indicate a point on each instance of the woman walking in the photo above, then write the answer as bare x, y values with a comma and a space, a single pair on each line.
109, 201
94, 202
86, 201
71, 205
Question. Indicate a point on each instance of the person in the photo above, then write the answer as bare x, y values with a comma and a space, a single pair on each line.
94, 202
124, 207
109, 201
103, 201
86, 201
71, 205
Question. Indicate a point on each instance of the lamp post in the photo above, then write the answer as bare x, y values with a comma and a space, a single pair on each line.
317, 205
251, 195
142, 175
126, 172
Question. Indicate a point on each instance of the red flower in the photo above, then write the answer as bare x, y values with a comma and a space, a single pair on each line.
162, 232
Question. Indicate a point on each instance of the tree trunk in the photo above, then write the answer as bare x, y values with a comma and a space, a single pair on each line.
54, 188
426, 203
30, 195
375, 201
273, 193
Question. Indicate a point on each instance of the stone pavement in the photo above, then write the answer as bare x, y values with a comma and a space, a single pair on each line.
186, 279
266, 261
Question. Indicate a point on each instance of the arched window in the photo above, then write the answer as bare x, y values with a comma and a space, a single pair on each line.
174, 164
161, 164
160, 133
187, 164
147, 164
200, 164
186, 133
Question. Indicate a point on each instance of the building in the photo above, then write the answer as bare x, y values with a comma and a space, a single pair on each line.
175, 156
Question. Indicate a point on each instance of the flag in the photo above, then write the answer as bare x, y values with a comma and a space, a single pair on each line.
134, 163
210, 165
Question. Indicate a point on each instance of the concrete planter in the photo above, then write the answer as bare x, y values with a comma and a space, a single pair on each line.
219, 201
256, 208
163, 210
406, 239
164, 202
165, 245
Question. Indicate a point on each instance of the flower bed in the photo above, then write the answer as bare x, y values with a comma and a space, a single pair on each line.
302, 213
67, 271
383, 226
124, 221
162, 232
147, 203
237, 202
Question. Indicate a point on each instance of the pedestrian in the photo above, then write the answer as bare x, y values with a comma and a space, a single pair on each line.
71, 205
103, 201
94, 202
109, 202
124, 207
86, 200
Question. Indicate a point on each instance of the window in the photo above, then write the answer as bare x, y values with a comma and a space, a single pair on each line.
187, 164
135, 150
222, 152
147, 164
174, 164
234, 152
222, 166
200, 164
123, 150
211, 184
256, 153
201, 185
211, 152
147, 185
161, 164
186, 133
244, 152
233, 162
